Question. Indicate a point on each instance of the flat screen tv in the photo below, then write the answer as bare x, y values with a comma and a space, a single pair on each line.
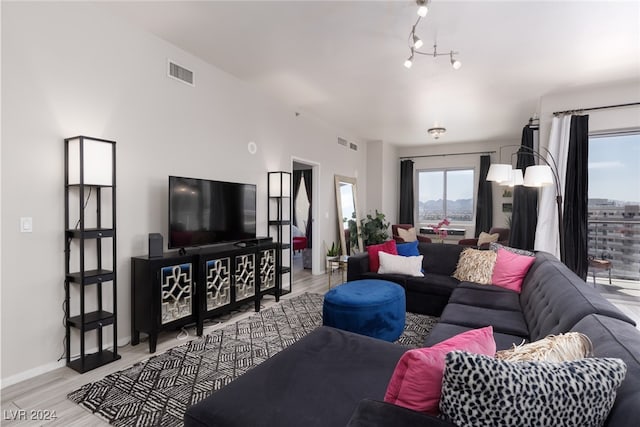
204, 212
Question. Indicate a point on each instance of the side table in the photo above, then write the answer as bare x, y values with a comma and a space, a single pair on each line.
337, 261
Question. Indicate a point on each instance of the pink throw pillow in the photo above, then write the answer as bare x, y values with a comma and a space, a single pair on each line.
374, 260
416, 382
510, 269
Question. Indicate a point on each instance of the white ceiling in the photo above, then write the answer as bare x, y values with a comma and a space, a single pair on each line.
342, 61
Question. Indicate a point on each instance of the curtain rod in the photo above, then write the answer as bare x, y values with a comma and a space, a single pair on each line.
580, 110
445, 155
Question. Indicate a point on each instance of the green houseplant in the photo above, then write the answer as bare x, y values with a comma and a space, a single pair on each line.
374, 229
334, 250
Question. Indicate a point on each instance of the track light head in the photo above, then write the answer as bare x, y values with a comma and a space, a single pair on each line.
417, 43
422, 8
455, 63
409, 62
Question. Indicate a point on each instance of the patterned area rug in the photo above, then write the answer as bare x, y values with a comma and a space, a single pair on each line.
158, 391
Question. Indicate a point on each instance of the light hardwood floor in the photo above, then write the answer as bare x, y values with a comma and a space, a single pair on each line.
48, 392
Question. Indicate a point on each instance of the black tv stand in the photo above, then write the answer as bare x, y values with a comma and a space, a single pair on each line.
175, 290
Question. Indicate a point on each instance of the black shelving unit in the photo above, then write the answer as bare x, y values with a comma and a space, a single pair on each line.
84, 182
279, 221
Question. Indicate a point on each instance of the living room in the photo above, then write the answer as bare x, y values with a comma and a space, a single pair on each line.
76, 68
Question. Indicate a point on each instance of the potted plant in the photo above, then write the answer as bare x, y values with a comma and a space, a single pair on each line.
374, 229
334, 250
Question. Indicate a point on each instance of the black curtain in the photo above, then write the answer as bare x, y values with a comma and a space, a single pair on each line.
576, 197
308, 177
297, 179
484, 205
406, 192
524, 216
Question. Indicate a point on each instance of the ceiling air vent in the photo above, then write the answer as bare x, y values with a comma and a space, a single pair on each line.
178, 72
342, 141
353, 146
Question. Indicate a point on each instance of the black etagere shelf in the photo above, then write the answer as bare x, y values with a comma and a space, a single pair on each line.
90, 172
279, 221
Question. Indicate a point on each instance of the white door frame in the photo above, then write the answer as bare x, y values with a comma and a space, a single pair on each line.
315, 209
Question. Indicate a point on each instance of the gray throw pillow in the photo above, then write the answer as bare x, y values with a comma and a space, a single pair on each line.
483, 391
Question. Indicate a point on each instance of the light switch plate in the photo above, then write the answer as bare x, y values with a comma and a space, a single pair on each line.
26, 224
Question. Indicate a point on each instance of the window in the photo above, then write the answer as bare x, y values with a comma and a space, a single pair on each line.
445, 194
614, 202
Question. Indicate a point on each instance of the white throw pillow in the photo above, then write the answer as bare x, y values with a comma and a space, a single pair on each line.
398, 264
407, 235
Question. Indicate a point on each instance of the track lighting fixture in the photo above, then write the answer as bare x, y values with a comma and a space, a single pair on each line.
422, 8
416, 43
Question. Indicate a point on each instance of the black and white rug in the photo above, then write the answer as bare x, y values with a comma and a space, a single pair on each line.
157, 392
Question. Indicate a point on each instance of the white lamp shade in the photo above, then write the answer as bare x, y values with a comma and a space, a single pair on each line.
279, 184
499, 173
538, 176
516, 178
97, 162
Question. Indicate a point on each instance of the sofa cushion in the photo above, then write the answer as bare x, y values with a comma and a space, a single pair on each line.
374, 261
432, 284
400, 279
554, 299
504, 321
417, 379
408, 235
439, 258
510, 269
317, 381
508, 300
443, 331
486, 238
475, 266
483, 391
371, 413
615, 338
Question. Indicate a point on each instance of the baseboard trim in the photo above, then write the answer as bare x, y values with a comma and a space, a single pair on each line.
43, 369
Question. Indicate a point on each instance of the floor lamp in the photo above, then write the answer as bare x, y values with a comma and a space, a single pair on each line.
534, 176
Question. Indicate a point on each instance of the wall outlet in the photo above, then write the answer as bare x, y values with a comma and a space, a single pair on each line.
26, 224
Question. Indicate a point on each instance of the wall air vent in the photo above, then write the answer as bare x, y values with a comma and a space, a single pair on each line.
353, 146
342, 141
178, 72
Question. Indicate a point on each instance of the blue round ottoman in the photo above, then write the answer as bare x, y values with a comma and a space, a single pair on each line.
375, 308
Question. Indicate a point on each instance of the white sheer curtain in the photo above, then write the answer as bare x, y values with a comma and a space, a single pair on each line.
547, 231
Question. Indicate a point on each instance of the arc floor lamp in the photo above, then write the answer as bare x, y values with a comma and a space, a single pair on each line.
534, 176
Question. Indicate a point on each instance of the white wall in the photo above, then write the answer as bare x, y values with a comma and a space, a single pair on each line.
69, 69
594, 96
383, 180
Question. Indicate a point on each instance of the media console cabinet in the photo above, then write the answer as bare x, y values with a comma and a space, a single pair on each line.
174, 290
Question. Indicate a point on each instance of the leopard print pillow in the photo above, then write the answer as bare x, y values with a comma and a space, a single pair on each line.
475, 266
483, 391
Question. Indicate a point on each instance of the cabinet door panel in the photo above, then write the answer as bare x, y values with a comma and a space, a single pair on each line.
176, 292
218, 279
267, 269
245, 276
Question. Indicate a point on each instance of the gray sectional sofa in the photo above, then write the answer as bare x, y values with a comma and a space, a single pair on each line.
336, 378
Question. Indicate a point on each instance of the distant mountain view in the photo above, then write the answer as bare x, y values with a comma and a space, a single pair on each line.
457, 210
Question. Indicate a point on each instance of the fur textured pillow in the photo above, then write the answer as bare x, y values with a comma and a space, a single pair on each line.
495, 246
484, 391
554, 348
475, 266
409, 235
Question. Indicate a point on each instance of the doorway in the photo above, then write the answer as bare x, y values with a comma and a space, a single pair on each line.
304, 207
